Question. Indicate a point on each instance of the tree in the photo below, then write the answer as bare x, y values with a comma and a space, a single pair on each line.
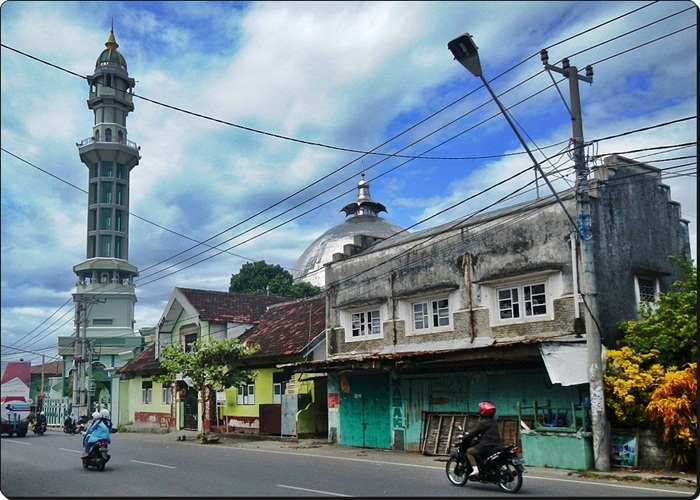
674, 404
670, 324
643, 383
210, 364
261, 278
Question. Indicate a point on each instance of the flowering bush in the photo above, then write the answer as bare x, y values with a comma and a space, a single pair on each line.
673, 403
629, 380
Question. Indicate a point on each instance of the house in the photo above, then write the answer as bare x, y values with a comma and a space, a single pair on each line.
423, 326
279, 402
191, 314
143, 400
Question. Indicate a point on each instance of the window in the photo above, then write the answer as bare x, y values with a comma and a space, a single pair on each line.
647, 289
431, 314
277, 393
167, 395
106, 168
118, 245
366, 323
105, 246
146, 392
522, 301
101, 322
106, 192
106, 218
246, 394
189, 340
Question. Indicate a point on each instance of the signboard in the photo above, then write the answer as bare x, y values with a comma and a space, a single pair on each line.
333, 401
623, 451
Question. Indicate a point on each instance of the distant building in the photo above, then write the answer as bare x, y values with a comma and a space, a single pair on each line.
364, 220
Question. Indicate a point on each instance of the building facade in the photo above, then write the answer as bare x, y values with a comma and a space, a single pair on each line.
422, 327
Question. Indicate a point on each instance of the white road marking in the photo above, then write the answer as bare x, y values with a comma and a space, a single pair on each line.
154, 465
313, 491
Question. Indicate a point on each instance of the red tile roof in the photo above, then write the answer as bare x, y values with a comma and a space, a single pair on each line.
145, 363
54, 369
222, 307
287, 329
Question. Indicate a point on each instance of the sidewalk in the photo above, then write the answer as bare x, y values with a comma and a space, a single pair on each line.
323, 447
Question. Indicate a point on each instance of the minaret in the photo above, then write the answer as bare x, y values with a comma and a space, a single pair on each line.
105, 294
105, 287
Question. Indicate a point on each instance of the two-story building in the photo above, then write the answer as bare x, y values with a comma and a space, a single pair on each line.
423, 326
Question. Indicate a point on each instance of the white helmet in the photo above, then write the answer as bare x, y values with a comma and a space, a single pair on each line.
96, 415
41, 413
104, 412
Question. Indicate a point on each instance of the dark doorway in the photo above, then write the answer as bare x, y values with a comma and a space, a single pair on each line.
190, 410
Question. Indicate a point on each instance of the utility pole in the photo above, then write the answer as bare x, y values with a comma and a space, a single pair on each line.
587, 281
79, 358
82, 356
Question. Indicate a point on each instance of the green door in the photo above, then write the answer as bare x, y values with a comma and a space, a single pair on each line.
365, 417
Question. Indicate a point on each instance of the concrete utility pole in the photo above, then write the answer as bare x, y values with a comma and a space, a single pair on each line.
79, 404
82, 355
601, 435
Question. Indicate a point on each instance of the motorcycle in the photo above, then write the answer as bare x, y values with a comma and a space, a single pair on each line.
501, 466
70, 427
98, 456
39, 427
80, 427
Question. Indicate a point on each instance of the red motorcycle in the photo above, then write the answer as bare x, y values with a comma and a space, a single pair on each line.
501, 466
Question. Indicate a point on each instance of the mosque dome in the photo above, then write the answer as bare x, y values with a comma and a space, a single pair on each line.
363, 220
111, 55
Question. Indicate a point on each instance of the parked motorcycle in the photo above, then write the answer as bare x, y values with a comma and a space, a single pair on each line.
98, 456
502, 466
39, 427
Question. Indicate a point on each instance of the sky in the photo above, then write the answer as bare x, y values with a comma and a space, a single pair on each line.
256, 121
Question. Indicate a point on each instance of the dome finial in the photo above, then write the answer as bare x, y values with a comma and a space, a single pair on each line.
364, 204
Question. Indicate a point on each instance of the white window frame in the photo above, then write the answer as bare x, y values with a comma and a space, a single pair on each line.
349, 321
146, 392
430, 309
246, 394
642, 284
491, 295
365, 323
523, 301
167, 395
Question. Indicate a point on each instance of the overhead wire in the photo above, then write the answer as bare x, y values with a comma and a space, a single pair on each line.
394, 155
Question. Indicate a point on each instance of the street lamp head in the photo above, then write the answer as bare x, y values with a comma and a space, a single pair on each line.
466, 53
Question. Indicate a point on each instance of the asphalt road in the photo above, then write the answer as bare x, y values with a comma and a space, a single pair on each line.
151, 465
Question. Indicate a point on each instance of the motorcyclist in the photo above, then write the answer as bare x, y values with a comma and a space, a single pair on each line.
486, 431
104, 415
97, 431
69, 422
40, 420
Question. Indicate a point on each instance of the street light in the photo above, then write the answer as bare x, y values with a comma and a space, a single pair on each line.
466, 53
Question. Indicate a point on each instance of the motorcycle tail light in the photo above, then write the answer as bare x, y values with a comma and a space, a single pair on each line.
516, 450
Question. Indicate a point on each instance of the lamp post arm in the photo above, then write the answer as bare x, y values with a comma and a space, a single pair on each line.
529, 153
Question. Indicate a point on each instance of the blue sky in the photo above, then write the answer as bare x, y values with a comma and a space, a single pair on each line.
241, 105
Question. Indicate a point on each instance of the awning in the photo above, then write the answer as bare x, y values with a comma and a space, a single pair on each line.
566, 362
